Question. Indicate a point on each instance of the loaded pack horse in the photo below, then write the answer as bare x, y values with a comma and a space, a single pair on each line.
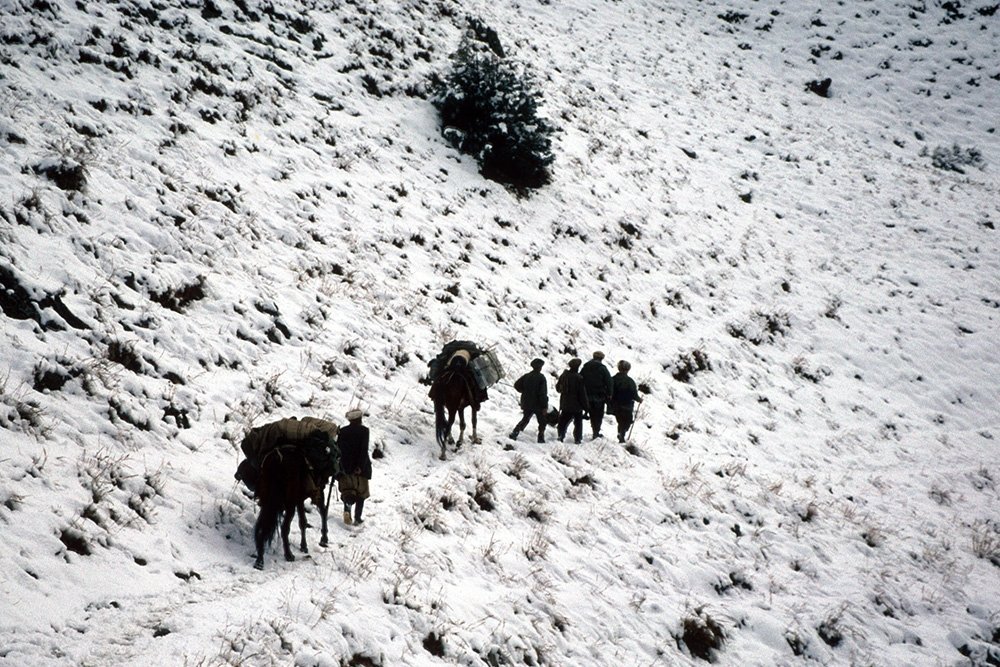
285, 482
453, 390
288, 462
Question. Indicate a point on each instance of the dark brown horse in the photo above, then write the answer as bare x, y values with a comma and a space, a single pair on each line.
284, 484
453, 391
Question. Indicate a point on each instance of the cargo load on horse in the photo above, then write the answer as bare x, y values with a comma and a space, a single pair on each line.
316, 438
486, 369
482, 364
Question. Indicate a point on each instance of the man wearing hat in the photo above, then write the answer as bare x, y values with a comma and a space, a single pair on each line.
597, 381
356, 464
534, 399
624, 396
572, 401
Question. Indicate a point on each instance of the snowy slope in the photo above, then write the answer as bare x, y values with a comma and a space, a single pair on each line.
218, 214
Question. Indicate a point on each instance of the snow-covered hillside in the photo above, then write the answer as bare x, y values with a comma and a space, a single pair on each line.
215, 214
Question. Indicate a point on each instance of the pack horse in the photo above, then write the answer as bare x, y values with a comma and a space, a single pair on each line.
460, 376
288, 462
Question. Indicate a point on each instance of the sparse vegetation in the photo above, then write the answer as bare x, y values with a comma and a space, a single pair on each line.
180, 297
483, 495
986, 541
701, 635
19, 411
536, 546
688, 364
956, 158
761, 327
215, 214
66, 173
517, 466
806, 370
830, 631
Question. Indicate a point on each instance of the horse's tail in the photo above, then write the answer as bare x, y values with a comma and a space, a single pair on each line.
270, 495
440, 421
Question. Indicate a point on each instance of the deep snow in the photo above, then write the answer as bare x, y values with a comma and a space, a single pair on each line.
271, 225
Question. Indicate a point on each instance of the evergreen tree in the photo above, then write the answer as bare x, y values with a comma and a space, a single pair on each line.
489, 110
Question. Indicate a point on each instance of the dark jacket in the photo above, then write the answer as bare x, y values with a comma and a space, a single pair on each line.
572, 393
597, 380
534, 391
353, 442
624, 393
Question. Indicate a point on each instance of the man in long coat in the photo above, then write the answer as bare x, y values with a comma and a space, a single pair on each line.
356, 464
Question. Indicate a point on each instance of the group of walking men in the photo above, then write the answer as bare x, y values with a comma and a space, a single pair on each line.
582, 392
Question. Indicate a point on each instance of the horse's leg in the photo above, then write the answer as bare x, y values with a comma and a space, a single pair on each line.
461, 427
324, 510
442, 433
475, 437
451, 422
440, 425
302, 526
286, 526
259, 539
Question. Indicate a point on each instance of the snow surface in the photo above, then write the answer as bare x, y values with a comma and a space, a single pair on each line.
271, 225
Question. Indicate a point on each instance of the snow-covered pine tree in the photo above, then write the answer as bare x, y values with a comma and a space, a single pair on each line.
489, 108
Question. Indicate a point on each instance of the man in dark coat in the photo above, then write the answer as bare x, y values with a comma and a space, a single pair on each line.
597, 381
572, 401
534, 391
356, 464
624, 396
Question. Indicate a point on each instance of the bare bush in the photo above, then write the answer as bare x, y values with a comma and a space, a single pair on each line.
537, 508
804, 369
830, 630
563, 454
986, 541
701, 634
68, 168
483, 494
518, 465
18, 412
761, 327
536, 547
955, 158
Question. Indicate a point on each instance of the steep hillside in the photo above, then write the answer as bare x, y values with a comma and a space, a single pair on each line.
215, 214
